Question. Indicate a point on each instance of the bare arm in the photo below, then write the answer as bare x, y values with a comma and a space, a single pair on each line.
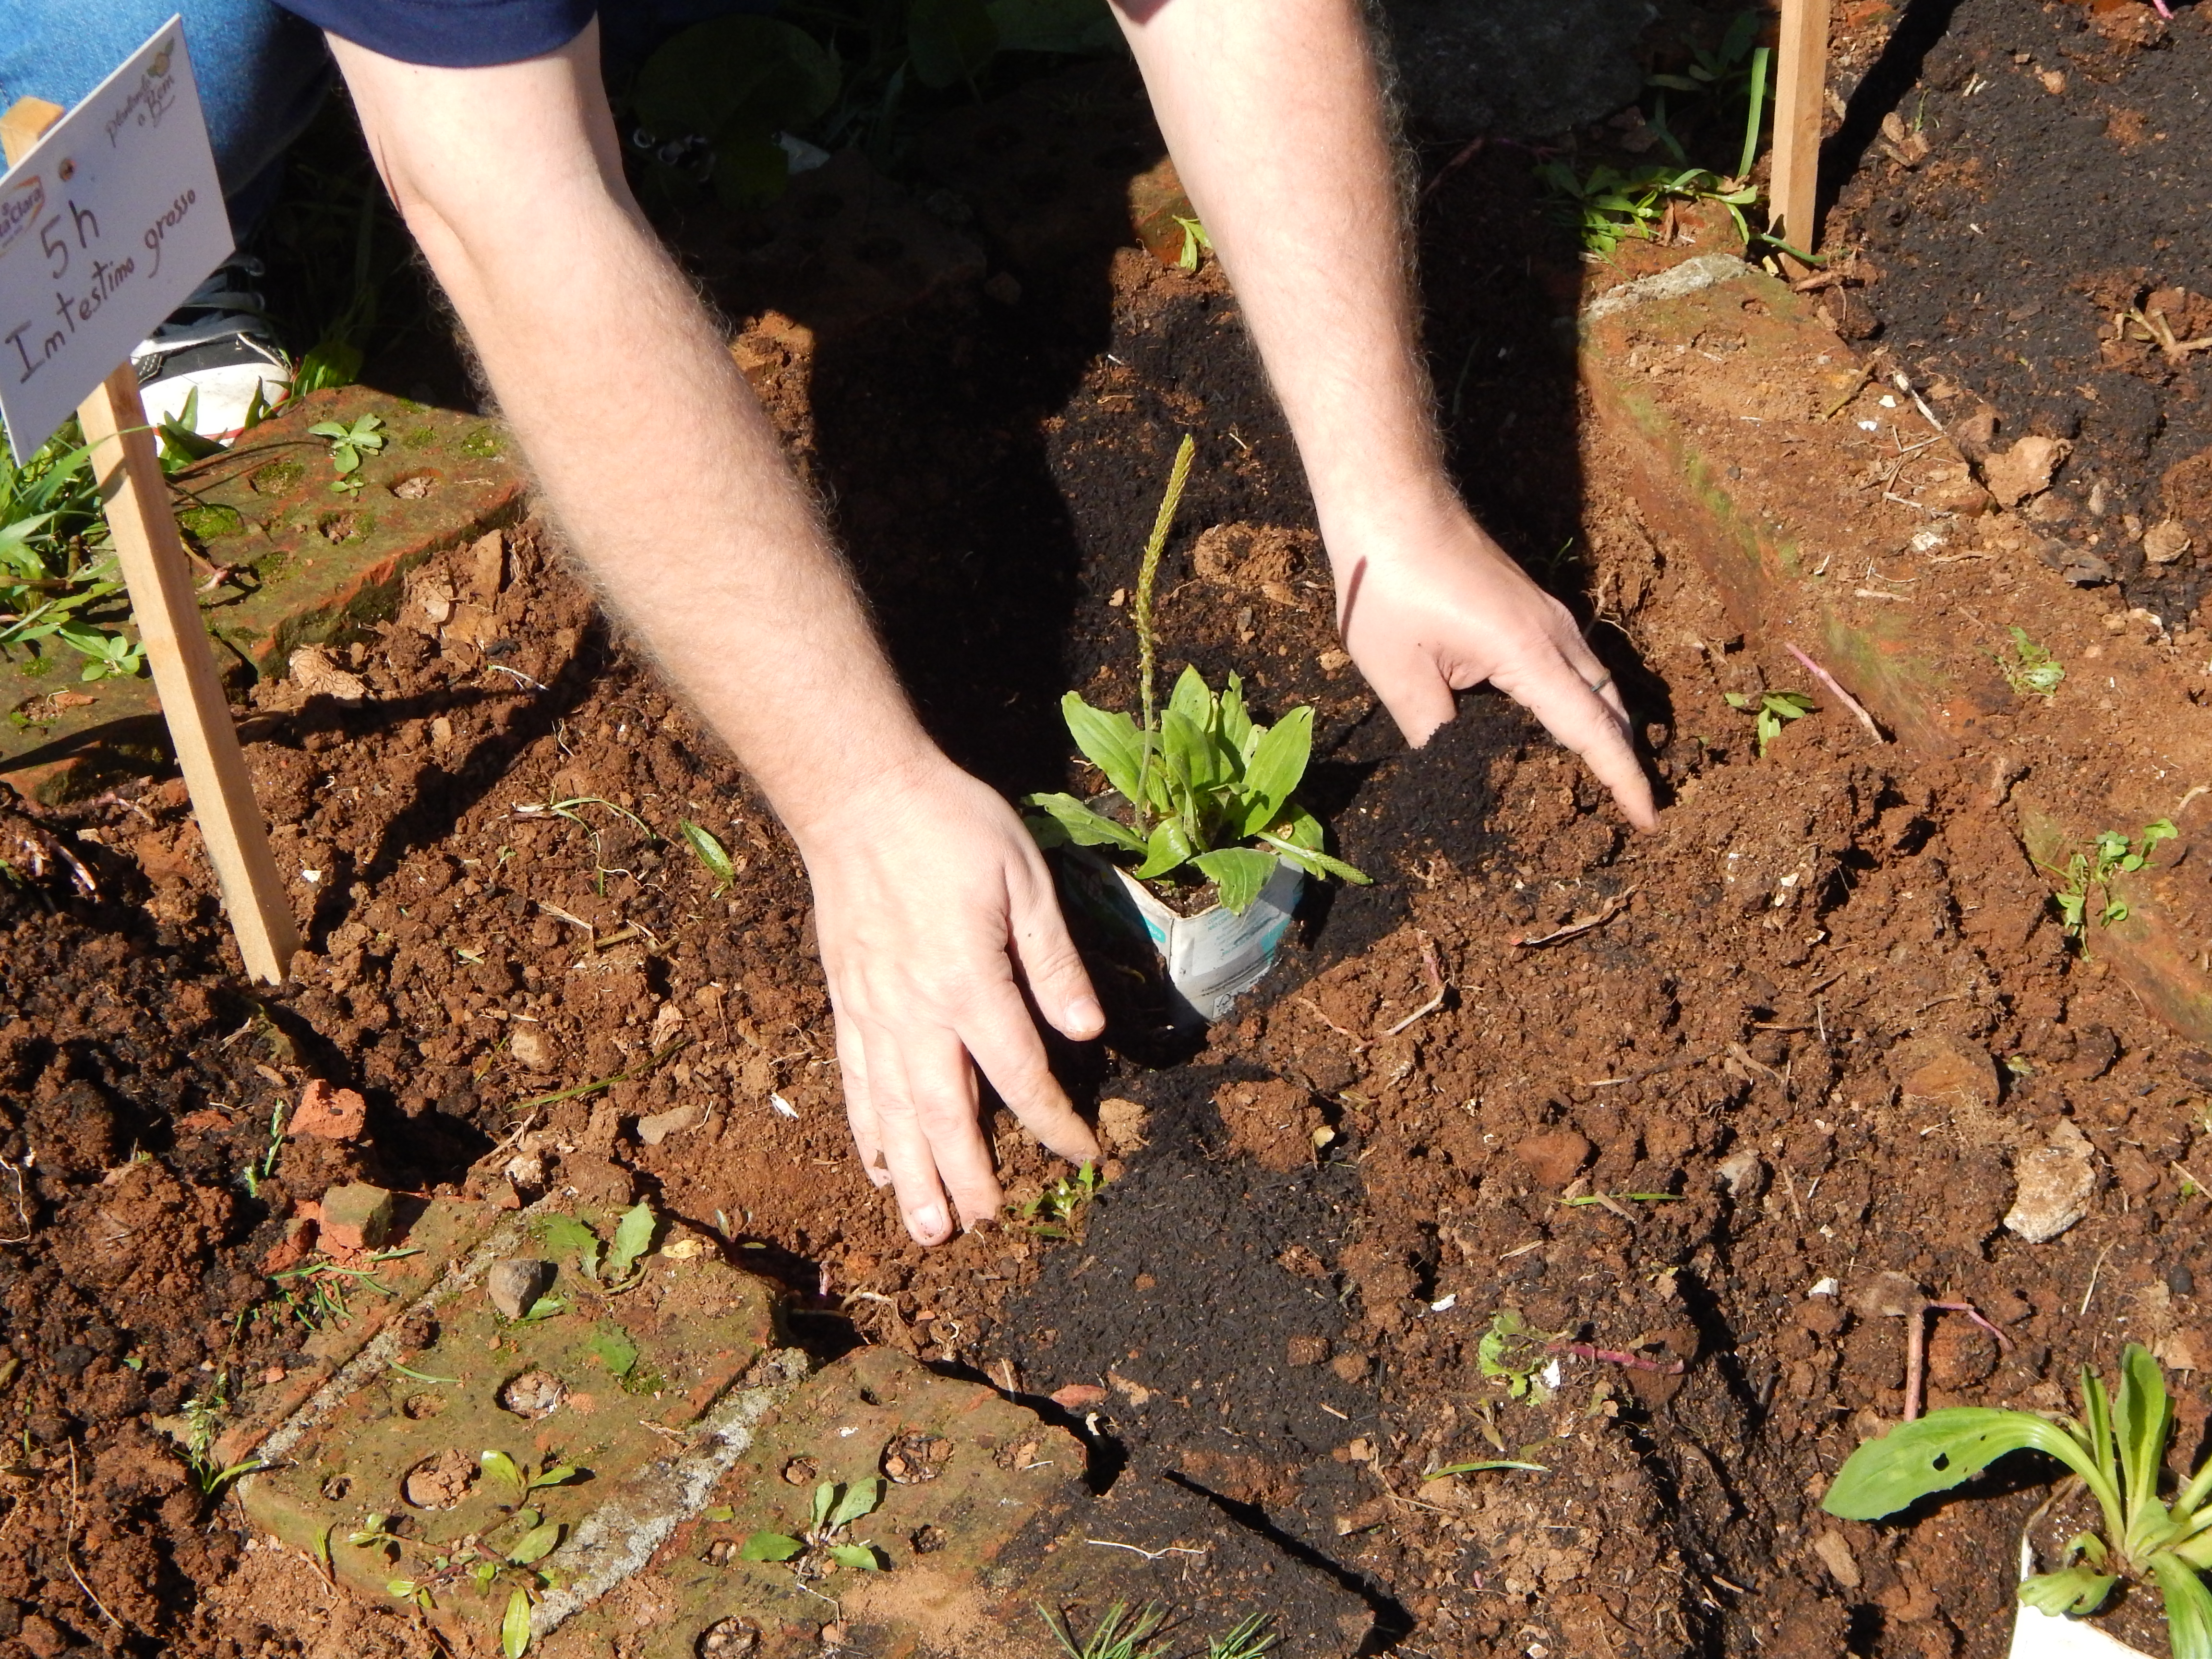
667, 481
1274, 117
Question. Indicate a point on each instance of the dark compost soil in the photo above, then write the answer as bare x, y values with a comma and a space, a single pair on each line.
1826, 1005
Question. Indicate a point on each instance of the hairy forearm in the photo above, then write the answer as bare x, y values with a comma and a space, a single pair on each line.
646, 440
1274, 115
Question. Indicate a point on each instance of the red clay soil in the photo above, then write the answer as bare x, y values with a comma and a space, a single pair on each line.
1800, 1035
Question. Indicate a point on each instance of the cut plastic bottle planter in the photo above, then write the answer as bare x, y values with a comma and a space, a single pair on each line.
1211, 958
2039, 1635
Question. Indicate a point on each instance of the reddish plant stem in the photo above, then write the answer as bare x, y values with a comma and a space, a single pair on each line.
1634, 1362
1916, 1347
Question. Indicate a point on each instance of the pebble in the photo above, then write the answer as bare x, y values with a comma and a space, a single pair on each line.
515, 1286
2053, 1186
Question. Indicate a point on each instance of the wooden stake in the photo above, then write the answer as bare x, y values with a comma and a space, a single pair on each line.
1800, 95
136, 496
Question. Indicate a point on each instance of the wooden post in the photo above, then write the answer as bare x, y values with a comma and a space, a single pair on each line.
136, 496
1800, 94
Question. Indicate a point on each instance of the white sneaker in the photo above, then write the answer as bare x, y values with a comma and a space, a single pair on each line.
214, 357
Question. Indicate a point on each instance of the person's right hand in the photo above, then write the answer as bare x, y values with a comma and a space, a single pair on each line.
933, 909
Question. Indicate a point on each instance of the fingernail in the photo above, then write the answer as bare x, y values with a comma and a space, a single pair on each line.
1084, 1016
927, 1222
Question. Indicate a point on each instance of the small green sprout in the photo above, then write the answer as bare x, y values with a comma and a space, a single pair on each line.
1485, 1463
2118, 1451
835, 1507
1248, 1638
348, 445
1054, 1212
1196, 242
518, 1479
1514, 1351
614, 1268
1120, 1634
2089, 877
1776, 710
712, 854
2033, 669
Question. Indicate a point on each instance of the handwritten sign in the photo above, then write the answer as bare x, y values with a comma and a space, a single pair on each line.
106, 228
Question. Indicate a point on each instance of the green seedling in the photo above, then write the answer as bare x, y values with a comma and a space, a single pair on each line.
1607, 206
1196, 242
1776, 710
2117, 1450
1248, 1638
56, 569
1120, 1634
1056, 1212
712, 854
517, 1479
259, 1170
619, 1269
1514, 1351
2089, 877
825, 1540
477, 1561
349, 445
1200, 782
2032, 668
1611, 1199
569, 809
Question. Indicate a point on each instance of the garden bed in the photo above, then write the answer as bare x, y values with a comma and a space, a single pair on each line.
1821, 1015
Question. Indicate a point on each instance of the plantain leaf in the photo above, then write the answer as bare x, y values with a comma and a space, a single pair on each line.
1241, 871
1277, 761
2077, 1590
515, 1629
1314, 862
2141, 1424
1170, 846
1937, 1452
2188, 1606
632, 1238
1236, 724
771, 1546
500, 1466
1191, 699
1110, 742
536, 1544
860, 1556
1076, 822
1189, 755
858, 1499
825, 1496
711, 852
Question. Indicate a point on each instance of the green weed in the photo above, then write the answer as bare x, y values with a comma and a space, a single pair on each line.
1513, 1351
349, 445
1775, 709
1120, 1634
614, 1268
2032, 668
1056, 1212
825, 1537
2117, 1450
57, 571
2090, 876
712, 854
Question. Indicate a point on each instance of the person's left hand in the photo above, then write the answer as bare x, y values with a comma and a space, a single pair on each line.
1438, 606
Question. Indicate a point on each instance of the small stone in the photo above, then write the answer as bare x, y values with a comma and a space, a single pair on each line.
439, 1482
488, 566
1078, 1396
1121, 1125
1331, 660
328, 1114
318, 675
532, 1045
1836, 1555
534, 1394
801, 1472
915, 1458
2024, 470
2053, 1186
1744, 1173
1941, 1073
515, 1286
661, 1125
2165, 544
1887, 1296
356, 1217
1552, 1158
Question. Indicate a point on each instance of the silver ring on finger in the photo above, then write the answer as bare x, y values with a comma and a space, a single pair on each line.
1601, 681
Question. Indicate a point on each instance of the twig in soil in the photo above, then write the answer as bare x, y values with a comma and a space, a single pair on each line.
1313, 1008
1916, 1347
68, 1546
1829, 680
1453, 166
1149, 1555
22, 1214
517, 674
1905, 385
1611, 908
1844, 402
582, 1089
2177, 1165
1634, 1362
1435, 975
1674, 1064
2094, 1270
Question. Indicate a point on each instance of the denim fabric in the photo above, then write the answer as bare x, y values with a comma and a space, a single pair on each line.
261, 72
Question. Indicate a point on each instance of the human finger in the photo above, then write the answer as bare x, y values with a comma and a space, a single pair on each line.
860, 1110
1585, 720
1007, 1050
1048, 959
1418, 698
942, 1082
906, 1148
